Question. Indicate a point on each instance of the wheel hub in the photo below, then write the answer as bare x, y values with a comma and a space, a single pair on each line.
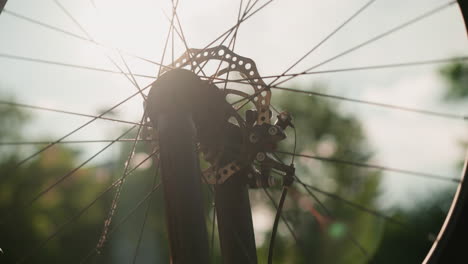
232, 149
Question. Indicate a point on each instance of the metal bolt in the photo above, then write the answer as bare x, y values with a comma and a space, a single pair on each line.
253, 138
260, 156
272, 131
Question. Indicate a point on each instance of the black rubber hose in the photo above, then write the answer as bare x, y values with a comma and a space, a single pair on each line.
275, 225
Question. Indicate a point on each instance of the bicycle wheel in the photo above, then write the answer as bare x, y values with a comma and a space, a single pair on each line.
318, 209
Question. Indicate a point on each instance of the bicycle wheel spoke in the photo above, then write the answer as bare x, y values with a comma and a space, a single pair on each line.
172, 35
60, 30
247, 99
350, 236
375, 213
385, 105
89, 38
75, 21
115, 200
349, 69
285, 221
133, 80
184, 40
354, 100
241, 2
227, 33
232, 42
37, 22
233, 27
148, 206
69, 65
68, 174
248, 7
61, 227
70, 16
141, 163
352, 204
171, 25
180, 33
76, 130
378, 37
258, 9
354, 15
393, 65
129, 76
124, 219
182, 37
377, 167
123, 140
58, 230
67, 112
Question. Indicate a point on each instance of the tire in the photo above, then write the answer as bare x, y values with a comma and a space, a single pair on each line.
450, 245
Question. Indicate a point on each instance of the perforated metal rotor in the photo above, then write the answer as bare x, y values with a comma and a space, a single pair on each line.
194, 59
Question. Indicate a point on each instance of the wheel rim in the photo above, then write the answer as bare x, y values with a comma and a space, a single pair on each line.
10, 14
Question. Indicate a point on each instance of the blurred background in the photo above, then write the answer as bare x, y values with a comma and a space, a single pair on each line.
394, 211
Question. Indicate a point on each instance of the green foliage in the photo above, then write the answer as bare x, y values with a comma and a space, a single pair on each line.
456, 76
323, 130
25, 224
412, 242
142, 207
11, 120
30, 213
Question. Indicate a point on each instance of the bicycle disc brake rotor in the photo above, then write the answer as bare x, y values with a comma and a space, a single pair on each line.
229, 148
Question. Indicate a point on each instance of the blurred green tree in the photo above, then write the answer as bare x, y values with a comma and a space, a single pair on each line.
456, 76
425, 218
323, 130
24, 224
